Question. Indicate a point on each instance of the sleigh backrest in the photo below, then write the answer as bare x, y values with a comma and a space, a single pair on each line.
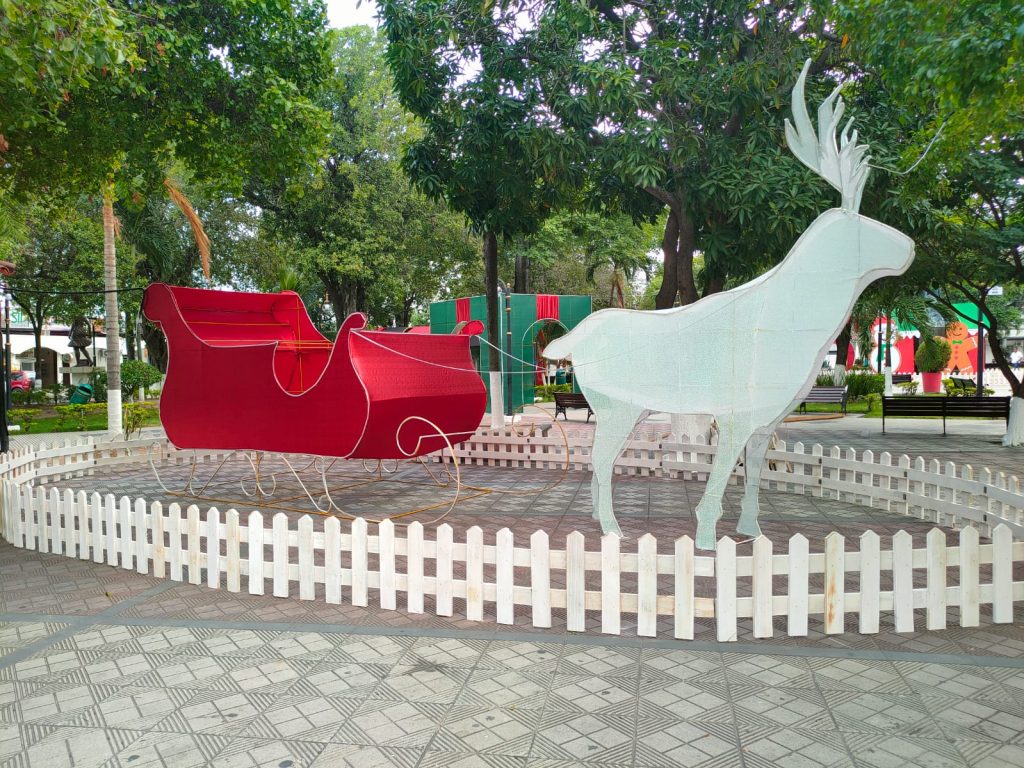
234, 319
230, 318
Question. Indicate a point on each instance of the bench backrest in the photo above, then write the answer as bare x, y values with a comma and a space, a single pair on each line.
825, 395
571, 399
911, 405
995, 407
978, 406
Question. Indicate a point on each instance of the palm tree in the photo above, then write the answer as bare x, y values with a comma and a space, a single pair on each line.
112, 325
898, 303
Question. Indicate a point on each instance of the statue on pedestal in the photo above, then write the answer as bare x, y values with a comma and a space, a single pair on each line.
79, 339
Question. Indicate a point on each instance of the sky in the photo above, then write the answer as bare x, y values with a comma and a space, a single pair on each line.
344, 13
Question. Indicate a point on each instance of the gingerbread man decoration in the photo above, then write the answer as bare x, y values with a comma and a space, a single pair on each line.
962, 344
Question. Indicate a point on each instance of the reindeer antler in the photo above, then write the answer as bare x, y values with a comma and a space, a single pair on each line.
844, 167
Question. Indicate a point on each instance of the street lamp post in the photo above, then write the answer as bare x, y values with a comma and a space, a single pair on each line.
6, 270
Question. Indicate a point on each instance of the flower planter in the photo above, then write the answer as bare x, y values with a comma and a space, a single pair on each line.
931, 382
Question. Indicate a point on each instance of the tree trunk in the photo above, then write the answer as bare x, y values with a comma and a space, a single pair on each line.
842, 354
666, 297
37, 335
157, 346
684, 259
112, 324
1015, 427
493, 330
129, 338
344, 297
522, 278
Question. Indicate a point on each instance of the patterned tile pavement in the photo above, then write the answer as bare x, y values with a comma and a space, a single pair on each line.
100, 667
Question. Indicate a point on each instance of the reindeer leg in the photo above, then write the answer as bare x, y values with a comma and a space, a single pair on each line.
615, 422
709, 509
753, 464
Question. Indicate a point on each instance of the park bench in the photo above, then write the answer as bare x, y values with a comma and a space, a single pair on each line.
902, 378
983, 407
565, 400
825, 395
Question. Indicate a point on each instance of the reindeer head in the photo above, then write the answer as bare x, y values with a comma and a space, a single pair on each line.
878, 250
844, 167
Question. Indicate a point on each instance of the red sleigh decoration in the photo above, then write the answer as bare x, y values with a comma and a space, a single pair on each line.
249, 371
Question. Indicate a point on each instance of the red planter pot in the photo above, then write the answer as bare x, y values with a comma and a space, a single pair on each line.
931, 382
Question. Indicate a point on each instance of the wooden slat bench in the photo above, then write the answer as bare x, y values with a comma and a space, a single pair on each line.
825, 395
912, 405
565, 400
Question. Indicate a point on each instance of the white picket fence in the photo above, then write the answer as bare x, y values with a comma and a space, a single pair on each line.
647, 587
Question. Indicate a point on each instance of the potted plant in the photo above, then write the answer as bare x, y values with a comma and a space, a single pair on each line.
931, 358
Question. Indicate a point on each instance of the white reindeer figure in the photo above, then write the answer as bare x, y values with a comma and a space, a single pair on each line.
747, 356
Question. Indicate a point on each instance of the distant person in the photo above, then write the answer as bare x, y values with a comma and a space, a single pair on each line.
1017, 357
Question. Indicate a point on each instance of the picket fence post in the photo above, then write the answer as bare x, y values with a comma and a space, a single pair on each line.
256, 553
414, 567
540, 579
443, 567
647, 586
611, 592
575, 575
684, 593
725, 590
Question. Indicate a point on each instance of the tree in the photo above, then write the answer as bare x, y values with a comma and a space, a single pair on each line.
56, 264
958, 68
976, 243
53, 49
583, 252
679, 105
958, 65
222, 88
159, 245
899, 304
489, 148
355, 223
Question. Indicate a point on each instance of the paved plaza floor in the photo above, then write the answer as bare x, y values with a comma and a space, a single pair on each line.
103, 667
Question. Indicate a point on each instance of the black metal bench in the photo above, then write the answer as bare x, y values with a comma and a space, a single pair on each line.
912, 405
902, 378
825, 395
565, 400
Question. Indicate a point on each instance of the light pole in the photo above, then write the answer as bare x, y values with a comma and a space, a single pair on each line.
6, 270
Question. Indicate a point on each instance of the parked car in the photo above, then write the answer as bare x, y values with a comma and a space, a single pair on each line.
21, 380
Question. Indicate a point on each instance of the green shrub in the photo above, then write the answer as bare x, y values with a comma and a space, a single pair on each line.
99, 386
908, 387
873, 399
859, 385
134, 416
826, 378
136, 375
23, 417
933, 354
65, 413
546, 392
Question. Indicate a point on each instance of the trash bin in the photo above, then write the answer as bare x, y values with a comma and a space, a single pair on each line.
82, 394
560, 376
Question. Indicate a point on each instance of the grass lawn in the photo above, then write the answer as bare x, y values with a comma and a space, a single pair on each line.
857, 406
48, 421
